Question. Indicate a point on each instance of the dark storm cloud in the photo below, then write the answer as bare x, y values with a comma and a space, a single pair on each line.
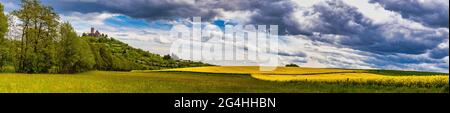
439, 53
336, 17
407, 62
403, 59
431, 12
275, 13
399, 39
172, 9
145, 9
294, 54
266, 12
341, 24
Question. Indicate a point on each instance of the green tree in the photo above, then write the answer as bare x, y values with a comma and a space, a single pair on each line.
73, 55
292, 65
4, 45
3, 23
37, 43
167, 57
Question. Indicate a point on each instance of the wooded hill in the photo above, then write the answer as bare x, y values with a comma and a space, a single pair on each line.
47, 45
111, 54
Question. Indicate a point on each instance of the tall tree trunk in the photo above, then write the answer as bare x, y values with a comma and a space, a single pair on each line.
23, 47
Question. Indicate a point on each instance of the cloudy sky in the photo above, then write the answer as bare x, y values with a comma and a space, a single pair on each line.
382, 34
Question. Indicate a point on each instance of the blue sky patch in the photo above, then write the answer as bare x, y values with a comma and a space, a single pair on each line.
125, 21
220, 23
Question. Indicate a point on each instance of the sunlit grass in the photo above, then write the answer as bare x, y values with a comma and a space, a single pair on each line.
176, 82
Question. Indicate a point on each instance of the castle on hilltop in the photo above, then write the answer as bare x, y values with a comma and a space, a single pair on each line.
95, 33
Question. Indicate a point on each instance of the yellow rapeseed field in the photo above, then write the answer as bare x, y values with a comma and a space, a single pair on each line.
361, 78
320, 75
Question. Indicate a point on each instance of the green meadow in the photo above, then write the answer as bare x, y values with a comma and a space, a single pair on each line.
177, 82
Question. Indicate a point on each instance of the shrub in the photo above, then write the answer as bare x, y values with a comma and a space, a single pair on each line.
292, 65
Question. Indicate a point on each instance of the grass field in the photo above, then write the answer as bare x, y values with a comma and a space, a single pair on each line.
194, 80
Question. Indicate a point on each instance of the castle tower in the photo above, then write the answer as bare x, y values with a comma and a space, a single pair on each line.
92, 30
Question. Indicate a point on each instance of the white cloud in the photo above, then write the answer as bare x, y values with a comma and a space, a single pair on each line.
241, 16
83, 22
323, 54
9, 5
374, 11
306, 3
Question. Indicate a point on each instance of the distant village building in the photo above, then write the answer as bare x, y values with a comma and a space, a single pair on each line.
95, 33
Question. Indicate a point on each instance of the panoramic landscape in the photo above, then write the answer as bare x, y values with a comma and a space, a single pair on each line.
57, 47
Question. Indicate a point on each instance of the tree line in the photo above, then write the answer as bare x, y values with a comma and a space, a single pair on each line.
44, 44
